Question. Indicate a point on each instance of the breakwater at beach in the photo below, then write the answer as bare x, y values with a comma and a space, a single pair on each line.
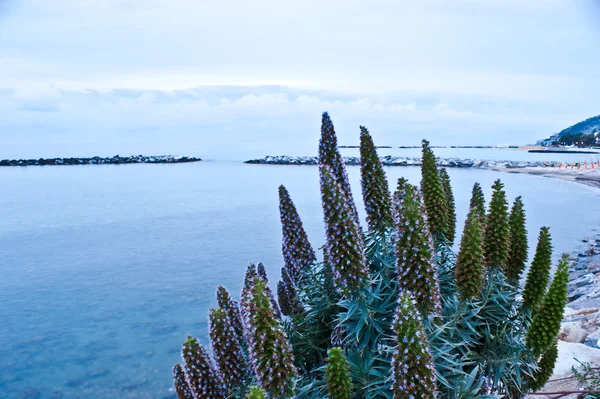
389, 160
115, 160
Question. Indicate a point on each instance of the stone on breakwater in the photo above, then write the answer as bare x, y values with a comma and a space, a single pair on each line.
389, 160
116, 160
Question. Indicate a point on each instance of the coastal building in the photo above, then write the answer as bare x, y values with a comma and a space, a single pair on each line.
548, 141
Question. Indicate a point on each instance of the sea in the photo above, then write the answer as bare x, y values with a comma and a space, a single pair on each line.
104, 269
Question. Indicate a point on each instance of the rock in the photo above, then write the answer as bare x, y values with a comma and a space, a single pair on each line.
576, 335
578, 293
586, 279
566, 328
568, 352
593, 339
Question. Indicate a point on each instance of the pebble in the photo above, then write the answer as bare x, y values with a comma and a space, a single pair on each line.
576, 335
593, 339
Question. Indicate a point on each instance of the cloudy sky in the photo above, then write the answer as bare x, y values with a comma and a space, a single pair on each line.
223, 78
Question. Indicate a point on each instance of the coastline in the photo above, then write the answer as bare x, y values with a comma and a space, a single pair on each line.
588, 177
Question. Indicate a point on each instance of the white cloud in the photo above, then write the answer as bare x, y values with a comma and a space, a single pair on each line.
446, 110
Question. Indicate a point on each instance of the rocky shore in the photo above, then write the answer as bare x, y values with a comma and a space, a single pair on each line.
579, 338
389, 160
116, 160
582, 320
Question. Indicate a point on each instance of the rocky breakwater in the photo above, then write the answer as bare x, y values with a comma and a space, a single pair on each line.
389, 160
116, 160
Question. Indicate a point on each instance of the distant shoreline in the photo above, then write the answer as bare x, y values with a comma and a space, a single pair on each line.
115, 160
589, 176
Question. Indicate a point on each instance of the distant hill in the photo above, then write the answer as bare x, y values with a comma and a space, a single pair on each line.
588, 126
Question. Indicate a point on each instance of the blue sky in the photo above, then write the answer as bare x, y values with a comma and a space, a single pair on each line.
199, 77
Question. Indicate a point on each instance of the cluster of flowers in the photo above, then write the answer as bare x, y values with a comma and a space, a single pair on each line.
257, 336
261, 272
232, 309
227, 351
414, 249
434, 195
345, 246
375, 189
268, 348
298, 254
412, 366
330, 156
201, 375
287, 295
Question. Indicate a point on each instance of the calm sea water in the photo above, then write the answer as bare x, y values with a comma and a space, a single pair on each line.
105, 269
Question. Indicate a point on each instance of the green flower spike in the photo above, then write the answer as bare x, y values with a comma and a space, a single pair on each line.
495, 239
546, 368
337, 375
414, 249
434, 196
546, 323
469, 264
539, 272
517, 256
478, 203
375, 190
450, 206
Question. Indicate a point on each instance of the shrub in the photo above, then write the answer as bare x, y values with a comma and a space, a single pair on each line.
391, 312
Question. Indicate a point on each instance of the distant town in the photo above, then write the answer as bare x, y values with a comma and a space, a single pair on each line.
585, 134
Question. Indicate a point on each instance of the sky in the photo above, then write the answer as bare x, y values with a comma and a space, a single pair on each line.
222, 79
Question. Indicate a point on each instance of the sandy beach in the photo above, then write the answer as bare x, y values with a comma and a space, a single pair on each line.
589, 177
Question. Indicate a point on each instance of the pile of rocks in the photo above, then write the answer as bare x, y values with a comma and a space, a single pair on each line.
580, 331
582, 317
98, 160
389, 160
